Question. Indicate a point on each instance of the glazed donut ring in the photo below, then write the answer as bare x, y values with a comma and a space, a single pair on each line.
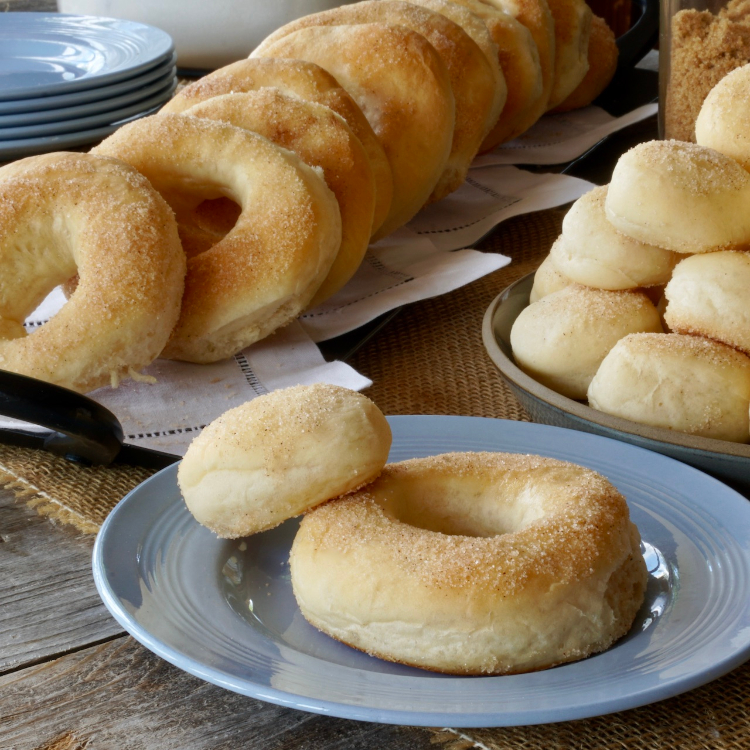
321, 139
572, 32
602, 57
68, 213
519, 60
404, 90
306, 81
280, 455
479, 95
707, 295
677, 382
680, 196
484, 563
591, 251
722, 122
267, 269
562, 339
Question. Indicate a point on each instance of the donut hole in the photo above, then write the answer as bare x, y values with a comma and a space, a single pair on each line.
460, 506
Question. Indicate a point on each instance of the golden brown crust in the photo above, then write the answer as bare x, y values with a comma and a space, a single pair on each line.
265, 271
536, 16
473, 85
307, 81
572, 32
404, 90
321, 139
519, 60
281, 454
64, 213
602, 58
469, 563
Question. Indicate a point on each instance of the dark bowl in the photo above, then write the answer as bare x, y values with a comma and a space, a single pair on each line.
727, 461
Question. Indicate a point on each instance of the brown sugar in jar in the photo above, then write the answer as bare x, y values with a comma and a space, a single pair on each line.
703, 48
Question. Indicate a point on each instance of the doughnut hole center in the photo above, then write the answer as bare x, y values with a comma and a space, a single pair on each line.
461, 506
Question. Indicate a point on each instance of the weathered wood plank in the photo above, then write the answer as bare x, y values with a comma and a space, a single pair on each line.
48, 602
119, 695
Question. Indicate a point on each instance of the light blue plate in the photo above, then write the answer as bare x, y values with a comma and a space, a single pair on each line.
26, 146
224, 610
155, 99
52, 53
96, 96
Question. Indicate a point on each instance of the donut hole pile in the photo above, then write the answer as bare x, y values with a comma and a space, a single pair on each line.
672, 229
280, 169
463, 563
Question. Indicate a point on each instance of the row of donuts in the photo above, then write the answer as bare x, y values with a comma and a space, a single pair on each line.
641, 306
279, 169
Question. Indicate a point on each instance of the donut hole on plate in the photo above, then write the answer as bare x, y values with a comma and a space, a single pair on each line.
440, 504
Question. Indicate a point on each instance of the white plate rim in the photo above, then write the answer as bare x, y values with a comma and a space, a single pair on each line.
406, 717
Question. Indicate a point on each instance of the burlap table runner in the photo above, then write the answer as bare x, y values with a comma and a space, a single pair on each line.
430, 360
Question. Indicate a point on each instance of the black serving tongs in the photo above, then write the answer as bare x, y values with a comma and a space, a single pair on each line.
79, 428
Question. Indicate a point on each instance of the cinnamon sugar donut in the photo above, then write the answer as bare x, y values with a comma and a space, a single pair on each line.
479, 95
562, 339
519, 59
708, 295
321, 139
680, 196
484, 563
280, 455
402, 86
536, 16
677, 382
548, 278
591, 251
306, 81
267, 269
572, 31
68, 213
602, 58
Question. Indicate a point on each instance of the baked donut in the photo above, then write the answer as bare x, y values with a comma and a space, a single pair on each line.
572, 31
321, 139
536, 16
306, 81
602, 56
483, 563
68, 213
267, 269
281, 454
479, 94
562, 339
708, 295
548, 279
722, 123
680, 196
519, 59
679, 382
402, 86
591, 251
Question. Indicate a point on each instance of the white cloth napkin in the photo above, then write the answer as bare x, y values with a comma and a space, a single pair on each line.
414, 263
556, 139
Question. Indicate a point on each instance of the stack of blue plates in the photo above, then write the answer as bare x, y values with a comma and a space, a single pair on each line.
71, 80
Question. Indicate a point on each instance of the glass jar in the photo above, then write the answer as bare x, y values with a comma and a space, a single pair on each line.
700, 42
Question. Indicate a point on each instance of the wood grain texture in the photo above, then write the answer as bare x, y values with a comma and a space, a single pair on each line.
119, 696
48, 602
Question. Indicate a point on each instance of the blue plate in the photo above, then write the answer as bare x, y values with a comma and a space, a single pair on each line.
224, 610
52, 53
43, 144
96, 96
10, 134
